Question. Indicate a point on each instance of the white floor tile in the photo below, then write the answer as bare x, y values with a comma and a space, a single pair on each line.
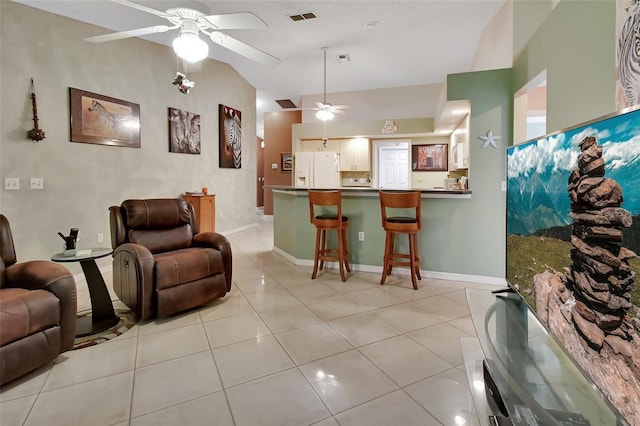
442, 307
288, 317
392, 409
362, 329
15, 411
406, 317
211, 409
442, 339
281, 399
105, 401
230, 330
346, 380
447, 397
172, 382
404, 360
313, 342
250, 360
335, 307
173, 343
112, 357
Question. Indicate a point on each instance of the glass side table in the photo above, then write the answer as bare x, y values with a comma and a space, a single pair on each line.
536, 379
102, 314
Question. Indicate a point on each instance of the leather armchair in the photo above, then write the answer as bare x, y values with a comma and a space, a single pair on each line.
37, 310
161, 263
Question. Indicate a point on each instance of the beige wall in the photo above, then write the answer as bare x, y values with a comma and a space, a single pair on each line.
495, 49
82, 180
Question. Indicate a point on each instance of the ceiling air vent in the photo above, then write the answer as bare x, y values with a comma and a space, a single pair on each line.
286, 103
303, 16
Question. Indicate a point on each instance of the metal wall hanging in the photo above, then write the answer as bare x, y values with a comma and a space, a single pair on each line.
35, 134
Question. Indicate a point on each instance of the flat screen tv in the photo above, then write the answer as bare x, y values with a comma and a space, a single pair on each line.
573, 228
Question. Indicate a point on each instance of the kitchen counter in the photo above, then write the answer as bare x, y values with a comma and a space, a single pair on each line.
373, 192
441, 209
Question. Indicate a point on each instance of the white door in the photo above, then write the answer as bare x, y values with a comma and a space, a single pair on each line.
393, 167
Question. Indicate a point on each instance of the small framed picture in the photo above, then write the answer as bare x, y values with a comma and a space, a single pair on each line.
429, 158
184, 131
103, 120
286, 161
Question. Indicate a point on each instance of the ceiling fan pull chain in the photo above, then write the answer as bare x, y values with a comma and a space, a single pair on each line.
180, 80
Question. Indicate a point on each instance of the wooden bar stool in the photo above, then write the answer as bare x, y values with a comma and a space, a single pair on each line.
329, 221
393, 225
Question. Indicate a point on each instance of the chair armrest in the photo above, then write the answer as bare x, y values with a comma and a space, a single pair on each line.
220, 243
55, 278
130, 255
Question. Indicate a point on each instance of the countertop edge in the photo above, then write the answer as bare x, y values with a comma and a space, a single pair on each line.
347, 191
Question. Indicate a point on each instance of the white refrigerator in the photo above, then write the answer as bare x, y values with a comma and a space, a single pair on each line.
317, 169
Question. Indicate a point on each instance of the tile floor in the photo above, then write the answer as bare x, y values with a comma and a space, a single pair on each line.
280, 349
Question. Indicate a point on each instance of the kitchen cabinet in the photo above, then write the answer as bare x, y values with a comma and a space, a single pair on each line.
205, 208
316, 145
355, 155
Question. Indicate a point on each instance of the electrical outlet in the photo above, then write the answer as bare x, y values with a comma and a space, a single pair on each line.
36, 183
360, 236
11, 184
503, 186
221, 213
100, 237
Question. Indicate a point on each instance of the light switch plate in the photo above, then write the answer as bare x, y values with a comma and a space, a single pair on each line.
36, 183
11, 184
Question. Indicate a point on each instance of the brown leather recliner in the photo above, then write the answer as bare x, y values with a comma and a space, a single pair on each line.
161, 264
37, 310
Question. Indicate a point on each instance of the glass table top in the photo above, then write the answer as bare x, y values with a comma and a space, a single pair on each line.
538, 381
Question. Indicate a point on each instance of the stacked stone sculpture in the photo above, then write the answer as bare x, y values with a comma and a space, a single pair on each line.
586, 306
600, 277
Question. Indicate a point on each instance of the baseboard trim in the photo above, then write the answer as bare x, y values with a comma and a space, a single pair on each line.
447, 276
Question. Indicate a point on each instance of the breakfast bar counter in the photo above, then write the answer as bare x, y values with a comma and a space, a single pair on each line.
294, 235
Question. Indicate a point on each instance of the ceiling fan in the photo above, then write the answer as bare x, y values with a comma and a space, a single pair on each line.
188, 44
325, 110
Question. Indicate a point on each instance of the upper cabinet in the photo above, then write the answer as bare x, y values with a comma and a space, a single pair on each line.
355, 155
332, 145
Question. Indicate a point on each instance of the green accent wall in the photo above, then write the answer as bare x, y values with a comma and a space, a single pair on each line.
479, 229
576, 45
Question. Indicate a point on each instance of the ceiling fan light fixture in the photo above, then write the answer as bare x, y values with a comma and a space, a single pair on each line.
324, 114
190, 47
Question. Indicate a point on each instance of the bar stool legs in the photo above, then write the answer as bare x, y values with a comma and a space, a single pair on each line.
391, 258
322, 253
402, 224
332, 220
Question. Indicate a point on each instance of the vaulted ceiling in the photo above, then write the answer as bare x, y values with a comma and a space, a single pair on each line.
371, 44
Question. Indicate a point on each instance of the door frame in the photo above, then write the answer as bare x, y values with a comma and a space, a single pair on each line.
392, 143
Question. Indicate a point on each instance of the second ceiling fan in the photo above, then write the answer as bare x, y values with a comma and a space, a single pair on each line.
325, 110
191, 22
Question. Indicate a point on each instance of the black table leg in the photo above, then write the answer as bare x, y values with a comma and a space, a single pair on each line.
102, 314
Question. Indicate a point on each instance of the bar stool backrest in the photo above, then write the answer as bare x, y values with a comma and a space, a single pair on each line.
332, 219
401, 200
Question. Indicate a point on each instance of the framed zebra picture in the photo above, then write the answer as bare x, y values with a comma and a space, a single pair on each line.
230, 137
184, 131
103, 120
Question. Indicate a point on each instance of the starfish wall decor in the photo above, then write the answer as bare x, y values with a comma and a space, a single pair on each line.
489, 139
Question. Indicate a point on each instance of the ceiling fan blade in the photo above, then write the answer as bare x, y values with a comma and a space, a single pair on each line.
340, 106
131, 33
236, 21
243, 49
142, 8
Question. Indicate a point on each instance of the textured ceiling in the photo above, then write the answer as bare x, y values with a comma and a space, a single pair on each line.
411, 43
